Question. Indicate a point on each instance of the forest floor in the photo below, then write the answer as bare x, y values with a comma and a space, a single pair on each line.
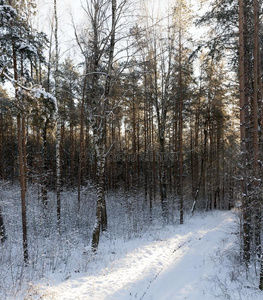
197, 260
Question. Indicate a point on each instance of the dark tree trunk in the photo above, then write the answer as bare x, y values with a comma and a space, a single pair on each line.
44, 166
181, 192
22, 164
243, 129
58, 122
2, 227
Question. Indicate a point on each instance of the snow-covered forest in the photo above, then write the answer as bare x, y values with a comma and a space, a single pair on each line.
131, 149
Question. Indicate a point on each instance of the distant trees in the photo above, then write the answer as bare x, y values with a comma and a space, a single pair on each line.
132, 115
157, 58
242, 31
164, 54
69, 91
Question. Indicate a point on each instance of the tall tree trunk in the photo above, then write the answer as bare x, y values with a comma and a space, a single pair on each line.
72, 154
22, 175
58, 124
161, 111
181, 193
108, 83
255, 111
163, 177
81, 138
22, 166
44, 165
99, 127
257, 86
197, 171
243, 132
44, 175
146, 162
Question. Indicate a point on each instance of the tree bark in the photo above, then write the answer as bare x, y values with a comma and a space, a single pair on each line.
99, 126
181, 193
58, 123
22, 166
81, 138
243, 133
22, 174
255, 118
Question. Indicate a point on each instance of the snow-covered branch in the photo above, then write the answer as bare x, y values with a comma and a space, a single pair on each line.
33, 91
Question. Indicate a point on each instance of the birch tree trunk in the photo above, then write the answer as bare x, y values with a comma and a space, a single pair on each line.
161, 103
99, 131
101, 216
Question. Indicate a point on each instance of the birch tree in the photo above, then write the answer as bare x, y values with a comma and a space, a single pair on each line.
57, 119
99, 129
99, 47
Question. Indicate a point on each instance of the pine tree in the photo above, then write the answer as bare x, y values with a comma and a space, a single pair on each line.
18, 50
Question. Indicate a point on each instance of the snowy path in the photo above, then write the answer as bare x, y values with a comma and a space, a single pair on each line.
175, 268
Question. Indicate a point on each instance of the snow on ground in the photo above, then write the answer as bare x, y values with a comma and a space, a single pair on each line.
173, 262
